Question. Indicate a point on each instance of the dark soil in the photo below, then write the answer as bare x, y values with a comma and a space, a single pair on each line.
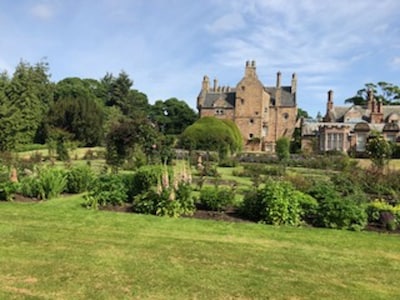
21, 198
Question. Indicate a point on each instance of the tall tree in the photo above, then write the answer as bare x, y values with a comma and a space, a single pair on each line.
172, 116
387, 93
78, 111
30, 92
9, 117
118, 92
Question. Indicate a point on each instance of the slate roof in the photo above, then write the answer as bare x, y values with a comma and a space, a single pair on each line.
338, 112
214, 99
287, 98
227, 98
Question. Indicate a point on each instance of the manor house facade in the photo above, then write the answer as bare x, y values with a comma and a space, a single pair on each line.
263, 114
347, 128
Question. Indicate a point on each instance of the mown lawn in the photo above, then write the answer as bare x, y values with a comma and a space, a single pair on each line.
59, 250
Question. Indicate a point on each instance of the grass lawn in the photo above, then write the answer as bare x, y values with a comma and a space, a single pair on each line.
58, 250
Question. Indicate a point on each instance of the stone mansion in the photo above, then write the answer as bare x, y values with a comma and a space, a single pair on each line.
263, 114
346, 128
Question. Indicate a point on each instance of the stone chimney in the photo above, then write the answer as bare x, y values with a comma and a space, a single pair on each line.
205, 86
215, 85
380, 106
294, 83
376, 109
278, 80
370, 101
329, 105
250, 70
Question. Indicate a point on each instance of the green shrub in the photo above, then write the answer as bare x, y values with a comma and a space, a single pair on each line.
106, 189
228, 162
79, 179
145, 178
276, 203
308, 206
49, 183
52, 182
341, 214
382, 213
172, 202
209, 169
30, 187
7, 190
216, 198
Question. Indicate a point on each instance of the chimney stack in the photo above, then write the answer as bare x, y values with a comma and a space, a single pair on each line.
278, 79
330, 100
250, 70
294, 83
215, 85
371, 100
205, 84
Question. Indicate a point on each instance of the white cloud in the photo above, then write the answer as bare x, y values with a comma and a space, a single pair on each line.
396, 62
43, 11
225, 23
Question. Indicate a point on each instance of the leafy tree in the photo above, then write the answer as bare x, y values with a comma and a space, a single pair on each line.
379, 150
212, 134
172, 116
117, 91
78, 111
387, 93
301, 113
125, 135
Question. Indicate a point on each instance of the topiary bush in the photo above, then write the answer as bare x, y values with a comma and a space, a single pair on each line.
276, 203
212, 134
216, 198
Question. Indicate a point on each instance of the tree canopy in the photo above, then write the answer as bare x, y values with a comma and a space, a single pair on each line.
387, 93
172, 116
35, 109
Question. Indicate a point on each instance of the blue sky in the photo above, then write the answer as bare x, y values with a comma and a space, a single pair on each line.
167, 46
